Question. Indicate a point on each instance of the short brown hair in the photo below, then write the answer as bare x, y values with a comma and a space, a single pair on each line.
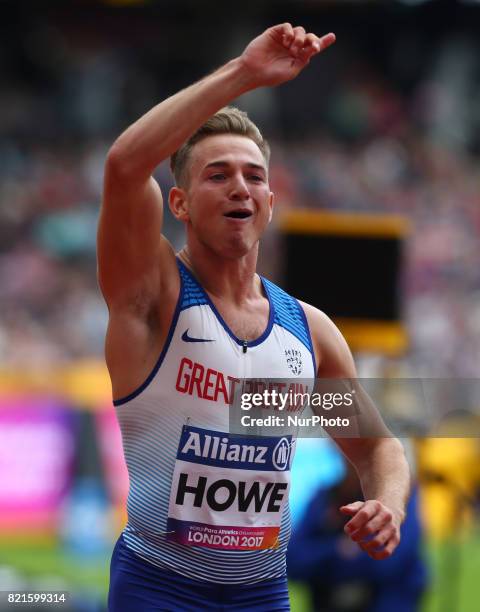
228, 120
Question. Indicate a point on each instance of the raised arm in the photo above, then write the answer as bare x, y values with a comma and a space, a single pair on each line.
133, 261
378, 458
136, 266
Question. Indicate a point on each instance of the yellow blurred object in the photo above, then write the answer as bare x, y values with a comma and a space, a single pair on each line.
449, 473
389, 337
25, 381
85, 384
344, 224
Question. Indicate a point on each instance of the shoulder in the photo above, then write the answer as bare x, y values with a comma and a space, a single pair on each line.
332, 353
288, 312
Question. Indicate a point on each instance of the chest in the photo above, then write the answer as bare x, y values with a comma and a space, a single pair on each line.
208, 348
247, 322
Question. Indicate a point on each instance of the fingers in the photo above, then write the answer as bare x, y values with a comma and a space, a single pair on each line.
364, 512
286, 33
351, 509
368, 521
382, 545
300, 44
327, 40
372, 527
298, 41
314, 45
291, 38
387, 550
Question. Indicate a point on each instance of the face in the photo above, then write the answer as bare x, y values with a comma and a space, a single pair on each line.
228, 203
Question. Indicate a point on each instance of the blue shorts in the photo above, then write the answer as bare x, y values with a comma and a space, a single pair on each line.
139, 586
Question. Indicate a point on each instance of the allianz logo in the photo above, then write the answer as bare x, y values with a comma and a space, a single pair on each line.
223, 449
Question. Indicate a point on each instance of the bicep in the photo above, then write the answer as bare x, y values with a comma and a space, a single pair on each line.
337, 373
129, 244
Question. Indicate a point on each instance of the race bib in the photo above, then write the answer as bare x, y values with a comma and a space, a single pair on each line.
228, 491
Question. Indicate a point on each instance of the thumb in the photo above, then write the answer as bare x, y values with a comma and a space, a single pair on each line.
351, 509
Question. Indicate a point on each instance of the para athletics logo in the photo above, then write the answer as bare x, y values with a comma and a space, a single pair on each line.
294, 361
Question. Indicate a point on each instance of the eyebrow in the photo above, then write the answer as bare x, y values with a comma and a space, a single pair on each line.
225, 164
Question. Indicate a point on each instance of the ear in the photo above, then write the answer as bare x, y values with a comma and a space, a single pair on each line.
270, 205
177, 200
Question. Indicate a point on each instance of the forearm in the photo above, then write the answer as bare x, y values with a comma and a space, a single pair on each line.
384, 474
276, 56
161, 131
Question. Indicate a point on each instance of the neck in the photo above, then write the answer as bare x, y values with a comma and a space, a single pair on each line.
228, 279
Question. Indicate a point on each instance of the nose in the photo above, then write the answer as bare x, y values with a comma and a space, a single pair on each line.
239, 189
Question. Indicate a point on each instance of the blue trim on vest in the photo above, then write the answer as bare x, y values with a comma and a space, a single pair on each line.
290, 315
307, 327
202, 298
193, 292
166, 346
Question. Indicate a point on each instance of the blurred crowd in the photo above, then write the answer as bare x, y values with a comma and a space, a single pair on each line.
374, 146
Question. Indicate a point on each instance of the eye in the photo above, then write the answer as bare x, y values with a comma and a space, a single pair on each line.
256, 178
218, 176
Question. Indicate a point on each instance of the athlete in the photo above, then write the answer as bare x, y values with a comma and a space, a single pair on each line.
208, 518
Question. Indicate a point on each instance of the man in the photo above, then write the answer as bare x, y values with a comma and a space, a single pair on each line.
208, 512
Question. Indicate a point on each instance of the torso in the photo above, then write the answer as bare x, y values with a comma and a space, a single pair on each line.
175, 423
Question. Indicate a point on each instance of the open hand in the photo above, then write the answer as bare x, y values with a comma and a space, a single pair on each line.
373, 526
281, 52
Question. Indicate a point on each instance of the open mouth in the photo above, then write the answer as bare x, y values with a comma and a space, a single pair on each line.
239, 214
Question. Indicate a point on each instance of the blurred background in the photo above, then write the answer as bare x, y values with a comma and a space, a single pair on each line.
384, 126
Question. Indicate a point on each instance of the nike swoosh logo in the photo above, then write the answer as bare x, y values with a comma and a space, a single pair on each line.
187, 338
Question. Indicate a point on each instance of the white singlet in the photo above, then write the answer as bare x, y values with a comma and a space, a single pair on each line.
203, 502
